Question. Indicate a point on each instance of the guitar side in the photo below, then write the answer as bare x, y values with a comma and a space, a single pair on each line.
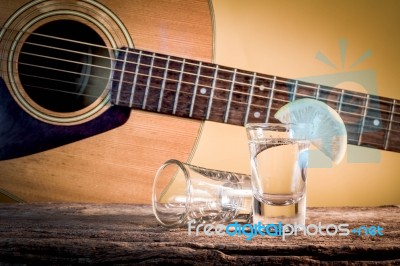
119, 165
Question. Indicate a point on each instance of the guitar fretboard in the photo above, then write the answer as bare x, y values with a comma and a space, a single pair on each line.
199, 90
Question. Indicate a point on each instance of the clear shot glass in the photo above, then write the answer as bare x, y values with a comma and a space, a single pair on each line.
184, 193
278, 161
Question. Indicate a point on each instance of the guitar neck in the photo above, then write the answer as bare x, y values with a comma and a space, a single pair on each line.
199, 90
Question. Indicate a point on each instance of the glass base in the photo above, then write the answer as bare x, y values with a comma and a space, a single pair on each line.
294, 214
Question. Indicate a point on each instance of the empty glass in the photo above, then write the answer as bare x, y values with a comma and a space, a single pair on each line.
183, 193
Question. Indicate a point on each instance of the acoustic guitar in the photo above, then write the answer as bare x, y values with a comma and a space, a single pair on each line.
95, 96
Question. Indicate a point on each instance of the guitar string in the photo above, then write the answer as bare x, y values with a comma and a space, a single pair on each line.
252, 105
350, 131
331, 90
141, 74
141, 64
354, 95
203, 86
380, 119
237, 102
188, 61
163, 57
220, 115
222, 111
130, 51
173, 91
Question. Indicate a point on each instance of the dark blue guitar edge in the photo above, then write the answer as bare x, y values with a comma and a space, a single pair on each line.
22, 134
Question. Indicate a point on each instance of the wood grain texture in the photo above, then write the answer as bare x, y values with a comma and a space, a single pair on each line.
119, 165
129, 234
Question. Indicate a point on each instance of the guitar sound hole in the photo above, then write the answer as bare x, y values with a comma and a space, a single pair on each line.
64, 66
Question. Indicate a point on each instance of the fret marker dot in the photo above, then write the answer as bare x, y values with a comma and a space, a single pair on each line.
203, 90
262, 87
376, 122
257, 114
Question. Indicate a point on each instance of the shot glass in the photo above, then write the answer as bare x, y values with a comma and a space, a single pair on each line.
184, 193
278, 161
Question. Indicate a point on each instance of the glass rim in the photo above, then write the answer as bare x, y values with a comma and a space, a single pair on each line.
154, 199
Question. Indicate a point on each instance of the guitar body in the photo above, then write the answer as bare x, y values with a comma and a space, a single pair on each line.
118, 165
119, 162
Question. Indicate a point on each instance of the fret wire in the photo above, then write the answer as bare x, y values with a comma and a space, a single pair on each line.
196, 84
358, 96
392, 113
130, 72
163, 84
212, 67
302, 95
94, 45
340, 101
386, 120
350, 132
146, 94
294, 91
284, 102
105, 57
280, 100
91, 44
270, 100
284, 91
318, 89
135, 80
178, 89
205, 66
253, 82
131, 51
329, 89
212, 93
355, 105
245, 74
230, 97
390, 124
363, 121
205, 86
121, 78
241, 83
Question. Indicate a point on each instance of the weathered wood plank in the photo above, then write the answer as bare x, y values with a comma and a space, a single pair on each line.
127, 234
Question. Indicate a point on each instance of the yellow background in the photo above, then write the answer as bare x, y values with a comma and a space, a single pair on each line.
283, 38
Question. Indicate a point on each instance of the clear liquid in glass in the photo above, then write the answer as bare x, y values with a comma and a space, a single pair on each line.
279, 168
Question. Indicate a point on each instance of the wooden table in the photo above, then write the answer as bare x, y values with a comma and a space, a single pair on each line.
128, 234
